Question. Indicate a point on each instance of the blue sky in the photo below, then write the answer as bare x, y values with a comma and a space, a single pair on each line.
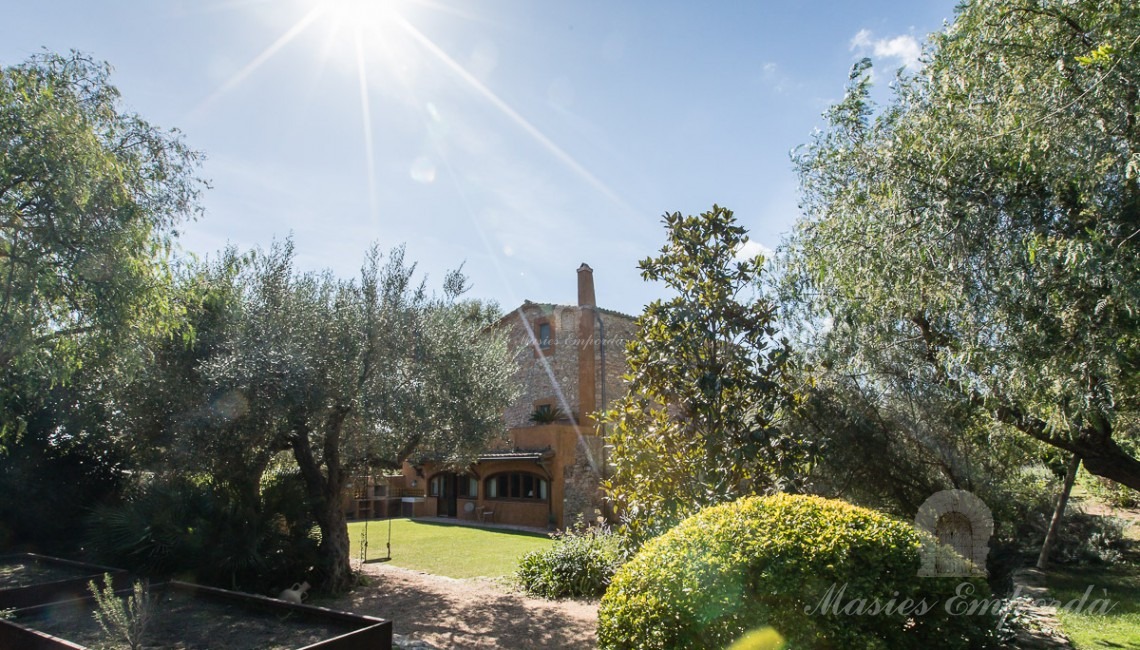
519, 138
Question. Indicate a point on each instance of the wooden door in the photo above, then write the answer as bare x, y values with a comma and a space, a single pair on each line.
449, 489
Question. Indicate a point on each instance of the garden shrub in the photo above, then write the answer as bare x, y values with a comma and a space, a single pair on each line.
580, 564
1089, 539
800, 564
1111, 492
38, 509
1023, 502
206, 534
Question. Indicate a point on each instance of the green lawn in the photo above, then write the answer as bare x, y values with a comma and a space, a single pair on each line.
1120, 628
446, 550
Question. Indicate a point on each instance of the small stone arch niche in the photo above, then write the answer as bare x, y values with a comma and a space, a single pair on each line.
957, 520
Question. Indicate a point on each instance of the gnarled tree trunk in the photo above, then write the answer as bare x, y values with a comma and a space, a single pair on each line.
324, 490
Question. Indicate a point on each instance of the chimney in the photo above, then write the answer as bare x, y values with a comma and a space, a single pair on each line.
585, 286
587, 374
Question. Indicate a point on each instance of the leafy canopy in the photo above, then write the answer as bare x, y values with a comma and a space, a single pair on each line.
980, 232
89, 198
335, 375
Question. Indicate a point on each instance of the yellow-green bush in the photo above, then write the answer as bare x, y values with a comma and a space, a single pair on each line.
773, 561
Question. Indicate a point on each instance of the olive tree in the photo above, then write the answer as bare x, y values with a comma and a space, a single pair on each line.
333, 374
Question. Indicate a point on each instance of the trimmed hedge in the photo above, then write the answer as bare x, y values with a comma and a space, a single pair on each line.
803, 565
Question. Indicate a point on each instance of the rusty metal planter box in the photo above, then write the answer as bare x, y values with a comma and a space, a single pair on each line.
203, 617
42, 579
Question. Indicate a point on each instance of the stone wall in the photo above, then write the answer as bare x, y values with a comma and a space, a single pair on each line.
581, 475
536, 370
582, 494
618, 331
532, 374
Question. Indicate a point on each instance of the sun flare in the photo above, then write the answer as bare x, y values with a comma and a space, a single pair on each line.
379, 46
364, 13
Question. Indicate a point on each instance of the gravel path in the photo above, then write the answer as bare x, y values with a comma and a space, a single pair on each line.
474, 613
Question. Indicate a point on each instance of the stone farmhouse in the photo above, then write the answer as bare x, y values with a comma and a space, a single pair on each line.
570, 360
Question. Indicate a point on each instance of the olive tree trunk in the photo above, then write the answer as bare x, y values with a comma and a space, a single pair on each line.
325, 494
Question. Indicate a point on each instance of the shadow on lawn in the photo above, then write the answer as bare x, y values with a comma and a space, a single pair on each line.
488, 528
469, 614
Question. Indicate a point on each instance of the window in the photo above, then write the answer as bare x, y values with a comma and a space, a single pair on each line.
466, 486
544, 338
517, 485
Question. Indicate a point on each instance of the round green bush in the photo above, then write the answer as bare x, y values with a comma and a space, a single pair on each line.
823, 573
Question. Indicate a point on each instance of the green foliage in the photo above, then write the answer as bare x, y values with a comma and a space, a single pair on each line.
1111, 493
891, 448
49, 480
90, 195
978, 234
207, 534
64, 460
89, 198
124, 621
547, 416
334, 374
579, 565
892, 443
708, 383
1091, 539
772, 561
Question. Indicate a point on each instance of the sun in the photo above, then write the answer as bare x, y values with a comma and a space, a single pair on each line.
380, 14
346, 34
378, 45
356, 32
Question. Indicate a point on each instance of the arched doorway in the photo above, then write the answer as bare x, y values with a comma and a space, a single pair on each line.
954, 530
958, 526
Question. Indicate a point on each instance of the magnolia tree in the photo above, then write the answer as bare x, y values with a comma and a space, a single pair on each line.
708, 383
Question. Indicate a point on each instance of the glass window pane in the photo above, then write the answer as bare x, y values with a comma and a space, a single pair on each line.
542, 489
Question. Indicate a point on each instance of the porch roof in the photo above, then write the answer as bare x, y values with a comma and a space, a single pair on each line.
517, 454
